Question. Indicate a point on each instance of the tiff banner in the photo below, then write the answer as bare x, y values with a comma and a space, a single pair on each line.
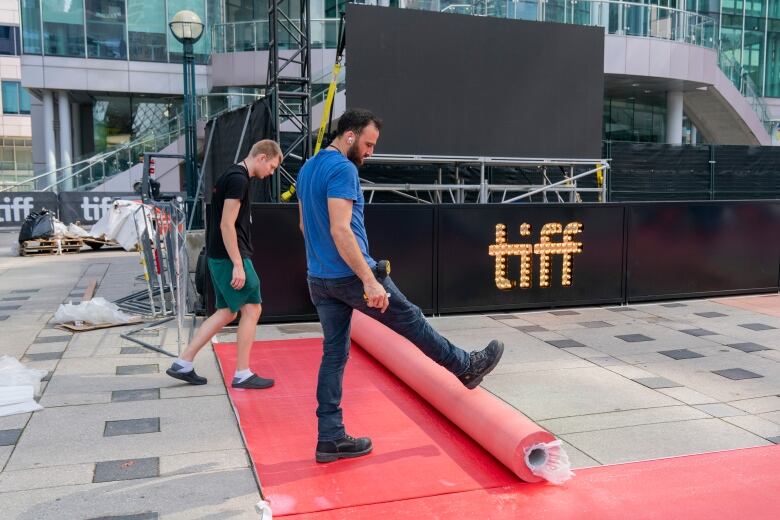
14, 207
87, 207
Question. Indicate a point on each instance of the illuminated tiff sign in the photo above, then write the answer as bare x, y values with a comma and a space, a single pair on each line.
545, 249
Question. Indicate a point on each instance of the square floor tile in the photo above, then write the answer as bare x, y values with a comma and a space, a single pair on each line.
131, 469
503, 316
565, 343
531, 328
9, 307
9, 437
656, 382
16, 298
673, 305
634, 338
682, 353
132, 427
775, 440
737, 374
316, 328
699, 332
595, 324
620, 309
749, 347
133, 350
145, 394
139, 516
130, 370
43, 356
564, 313
23, 291
757, 326
3, 317
710, 314
52, 339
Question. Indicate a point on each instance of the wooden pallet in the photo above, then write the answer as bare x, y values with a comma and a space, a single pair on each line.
53, 246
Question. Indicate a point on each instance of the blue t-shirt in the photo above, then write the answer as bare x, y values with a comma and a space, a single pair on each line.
329, 175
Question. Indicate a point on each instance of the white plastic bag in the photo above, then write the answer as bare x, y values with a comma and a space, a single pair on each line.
95, 311
77, 231
554, 467
13, 373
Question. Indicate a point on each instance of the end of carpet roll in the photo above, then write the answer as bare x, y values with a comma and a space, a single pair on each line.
549, 461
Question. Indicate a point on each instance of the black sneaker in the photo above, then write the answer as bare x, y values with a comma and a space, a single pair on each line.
345, 448
481, 362
253, 382
190, 377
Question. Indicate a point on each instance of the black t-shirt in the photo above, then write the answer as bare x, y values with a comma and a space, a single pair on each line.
233, 184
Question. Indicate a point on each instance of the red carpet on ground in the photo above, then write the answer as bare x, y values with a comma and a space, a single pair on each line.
425, 467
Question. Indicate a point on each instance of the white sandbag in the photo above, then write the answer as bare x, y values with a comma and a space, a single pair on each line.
12, 409
13, 373
95, 311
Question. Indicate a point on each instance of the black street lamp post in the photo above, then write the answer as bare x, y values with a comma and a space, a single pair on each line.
187, 27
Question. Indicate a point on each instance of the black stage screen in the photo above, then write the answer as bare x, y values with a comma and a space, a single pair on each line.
449, 84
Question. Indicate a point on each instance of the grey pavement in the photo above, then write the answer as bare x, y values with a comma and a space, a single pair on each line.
615, 384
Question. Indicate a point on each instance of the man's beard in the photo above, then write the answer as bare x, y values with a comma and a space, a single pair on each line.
354, 155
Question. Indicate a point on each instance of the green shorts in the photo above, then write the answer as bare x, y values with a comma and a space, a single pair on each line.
221, 270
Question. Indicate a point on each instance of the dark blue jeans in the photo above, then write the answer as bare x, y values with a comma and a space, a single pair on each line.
335, 299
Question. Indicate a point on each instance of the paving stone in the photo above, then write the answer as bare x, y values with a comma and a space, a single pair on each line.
748, 347
9, 437
595, 324
139, 516
52, 339
494, 317
24, 291
682, 353
145, 394
775, 440
634, 338
720, 410
531, 328
9, 307
710, 314
130, 370
77, 293
47, 377
113, 470
43, 356
132, 426
757, 326
16, 298
3, 317
673, 305
133, 350
699, 332
565, 343
656, 382
620, 309
737, 374
564, 313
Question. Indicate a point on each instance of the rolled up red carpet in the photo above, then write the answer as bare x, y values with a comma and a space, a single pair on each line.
500, 429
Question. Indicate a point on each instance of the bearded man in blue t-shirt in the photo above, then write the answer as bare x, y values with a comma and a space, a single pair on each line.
343, 276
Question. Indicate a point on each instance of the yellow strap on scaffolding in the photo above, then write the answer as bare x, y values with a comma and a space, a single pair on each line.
328, 103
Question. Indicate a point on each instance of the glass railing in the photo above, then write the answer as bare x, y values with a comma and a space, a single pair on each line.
745, 84
254, 36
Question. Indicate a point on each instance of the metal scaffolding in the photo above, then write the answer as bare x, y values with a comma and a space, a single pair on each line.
289, 80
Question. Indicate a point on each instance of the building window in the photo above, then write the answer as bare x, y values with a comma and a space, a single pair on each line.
16, 100
9, 40
147, 30
15, 160
106, 29
63, 28
31, 26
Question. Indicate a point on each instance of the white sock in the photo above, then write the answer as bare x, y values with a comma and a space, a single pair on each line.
242, 375
184, 366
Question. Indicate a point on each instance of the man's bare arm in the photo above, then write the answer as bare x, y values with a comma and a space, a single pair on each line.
340, 213
228, 227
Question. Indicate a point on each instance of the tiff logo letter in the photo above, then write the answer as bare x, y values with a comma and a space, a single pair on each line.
545, 249
95, 209
15, 209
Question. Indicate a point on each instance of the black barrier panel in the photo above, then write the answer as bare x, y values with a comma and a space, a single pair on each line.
87, 207
15, 206
467, 279
746, 172
404, 234
700, 249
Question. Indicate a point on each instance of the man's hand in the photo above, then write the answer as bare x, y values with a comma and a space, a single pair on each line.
239, 277
376, 295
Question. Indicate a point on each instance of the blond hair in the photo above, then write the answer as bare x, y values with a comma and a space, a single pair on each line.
268, 147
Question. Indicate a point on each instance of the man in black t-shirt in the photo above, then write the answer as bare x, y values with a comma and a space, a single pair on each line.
229, 249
